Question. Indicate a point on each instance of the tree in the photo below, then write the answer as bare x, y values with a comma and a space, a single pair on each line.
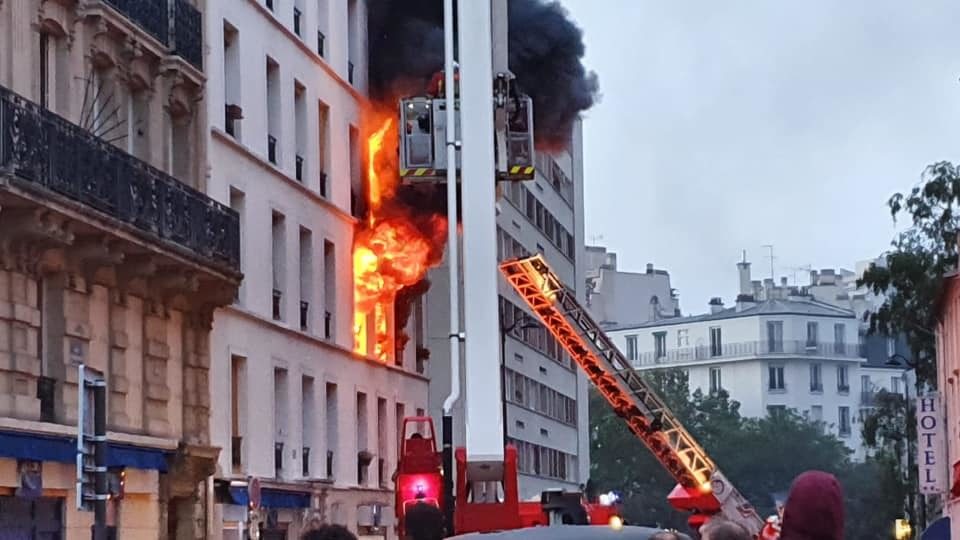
921, 255
761, 455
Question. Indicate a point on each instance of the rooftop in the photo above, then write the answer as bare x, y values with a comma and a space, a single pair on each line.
776, 306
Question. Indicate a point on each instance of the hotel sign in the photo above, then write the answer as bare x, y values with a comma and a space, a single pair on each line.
931, 457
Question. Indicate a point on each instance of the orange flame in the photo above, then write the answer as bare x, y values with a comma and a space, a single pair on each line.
394, 250
376, 188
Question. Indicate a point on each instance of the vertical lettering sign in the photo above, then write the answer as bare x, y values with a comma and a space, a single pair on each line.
930, 444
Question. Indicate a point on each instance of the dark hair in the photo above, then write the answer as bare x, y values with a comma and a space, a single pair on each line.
721, 529
424, 522
328, 532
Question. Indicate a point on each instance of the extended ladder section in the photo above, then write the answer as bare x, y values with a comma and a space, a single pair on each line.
703, 489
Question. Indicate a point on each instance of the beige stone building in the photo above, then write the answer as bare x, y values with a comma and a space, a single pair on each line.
110, 255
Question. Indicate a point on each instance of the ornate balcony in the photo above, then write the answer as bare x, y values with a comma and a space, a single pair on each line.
43, 156
175, 24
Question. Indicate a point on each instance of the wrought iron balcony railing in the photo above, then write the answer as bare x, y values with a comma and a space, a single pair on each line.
175, 23
150, 15
41, 150
748, 348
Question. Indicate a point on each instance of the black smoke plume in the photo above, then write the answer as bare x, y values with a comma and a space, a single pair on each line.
546, 48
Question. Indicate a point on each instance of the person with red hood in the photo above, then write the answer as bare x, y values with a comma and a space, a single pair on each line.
814, 508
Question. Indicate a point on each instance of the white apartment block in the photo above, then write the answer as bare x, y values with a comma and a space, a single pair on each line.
545, 393
783, 350
292, 405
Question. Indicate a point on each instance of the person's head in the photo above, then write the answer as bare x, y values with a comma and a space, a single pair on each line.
665, 535
720, 529
814, 508
424, 522
328, 532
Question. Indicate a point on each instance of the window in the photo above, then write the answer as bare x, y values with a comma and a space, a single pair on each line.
300, 141
816, 378
331, 413
776, 410
280, 416
891, 347
238, 204
382, 451
356, 173
816, 413
865, 384
840, 339
631, 347
843, 383
353, 38
323, 137
363, 464
844, 421
273, 111
811, 334
716, 384
895, 385
307, 407
298, 18
329, 288
683, 337
233, 112
306, 277
323, 9
716, 342
775, 376
775, 336
278, 256
659, 344
238, 368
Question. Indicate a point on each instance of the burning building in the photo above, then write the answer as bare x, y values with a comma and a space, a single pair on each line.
306, 413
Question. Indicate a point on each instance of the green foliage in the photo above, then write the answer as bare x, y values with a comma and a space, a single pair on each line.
762, 456
920, 257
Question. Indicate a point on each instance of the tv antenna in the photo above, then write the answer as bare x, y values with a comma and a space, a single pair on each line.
771, 257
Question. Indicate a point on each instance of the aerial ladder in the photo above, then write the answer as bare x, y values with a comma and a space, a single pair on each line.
702, 489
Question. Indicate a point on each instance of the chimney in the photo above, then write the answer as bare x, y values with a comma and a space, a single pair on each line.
649, 268
813, 277
783, 281
757, 289
744, 268
745, 301
768, 288
716, 305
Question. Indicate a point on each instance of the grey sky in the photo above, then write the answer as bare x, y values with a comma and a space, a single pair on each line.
729, 125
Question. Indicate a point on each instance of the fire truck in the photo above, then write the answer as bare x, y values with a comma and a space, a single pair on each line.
474, 489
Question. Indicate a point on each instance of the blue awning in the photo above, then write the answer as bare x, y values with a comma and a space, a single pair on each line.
18, 445
938, 530
272, 498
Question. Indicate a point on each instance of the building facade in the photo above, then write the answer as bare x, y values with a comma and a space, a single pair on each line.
294, 408
776, 349
948, 383
617, 297
544, 394
111, 257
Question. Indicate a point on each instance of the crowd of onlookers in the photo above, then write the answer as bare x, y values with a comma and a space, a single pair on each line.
813, 511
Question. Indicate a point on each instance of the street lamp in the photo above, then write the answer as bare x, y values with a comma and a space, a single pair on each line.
898, 360
524, 322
